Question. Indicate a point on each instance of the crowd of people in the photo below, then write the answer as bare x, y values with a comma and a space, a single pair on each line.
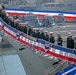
35, 32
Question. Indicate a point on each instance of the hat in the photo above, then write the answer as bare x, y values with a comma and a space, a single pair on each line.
70, 35
51, 32
0, 7
41, 29
17, 20
46, 31
34, 28
58, 33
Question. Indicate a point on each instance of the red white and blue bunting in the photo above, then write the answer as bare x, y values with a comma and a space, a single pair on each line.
40, 13
38, 44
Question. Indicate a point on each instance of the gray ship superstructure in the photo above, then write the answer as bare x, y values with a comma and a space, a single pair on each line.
57, 5
53, 5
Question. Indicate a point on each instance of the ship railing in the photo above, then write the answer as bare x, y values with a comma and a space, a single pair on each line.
39, 44
23, 12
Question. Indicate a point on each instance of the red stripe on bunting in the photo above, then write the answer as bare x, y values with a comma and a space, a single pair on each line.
14, 37
61, 56
40, 15
16, 13
70, 17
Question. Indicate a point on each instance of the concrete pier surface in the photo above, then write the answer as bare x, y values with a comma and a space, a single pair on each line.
10, 64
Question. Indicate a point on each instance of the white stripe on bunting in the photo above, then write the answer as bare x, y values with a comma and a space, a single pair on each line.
71, 15
26, 39
69, 71
39, 44
30, 41
23, 39
74, 56
13, 11
57, 51
51, 49
10, 31
20, 11
36, 43
1, 24
68, 55
71, 55
52, 14
41, 13
65, 53
6, 28
42, 46
61, 52
13, 33
33, 42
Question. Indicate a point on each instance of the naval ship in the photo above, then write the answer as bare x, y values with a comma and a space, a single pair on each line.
46, 8
53, 5
32, 51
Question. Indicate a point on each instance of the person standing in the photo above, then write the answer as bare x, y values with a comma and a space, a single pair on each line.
25, 29
34, 33
3, 6
38, 33
70, 42
59, 40
42, 35
46, 36
29, 30
52, 39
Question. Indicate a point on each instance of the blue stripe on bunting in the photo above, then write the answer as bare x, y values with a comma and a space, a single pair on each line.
67, 69
44, 11
64, 49
40, 41
58, 47
8, 26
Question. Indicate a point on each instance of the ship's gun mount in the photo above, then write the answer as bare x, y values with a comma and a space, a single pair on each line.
47, 21
60, 19
31, 19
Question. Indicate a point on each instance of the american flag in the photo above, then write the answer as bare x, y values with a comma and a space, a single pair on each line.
48, 46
